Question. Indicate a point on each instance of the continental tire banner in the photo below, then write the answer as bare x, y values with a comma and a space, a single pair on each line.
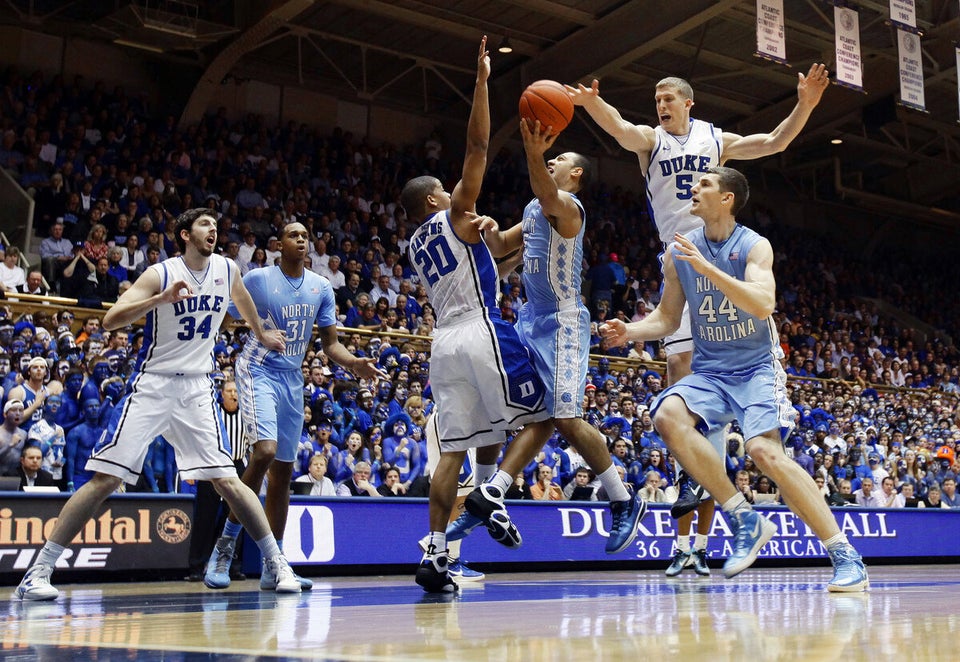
128, 533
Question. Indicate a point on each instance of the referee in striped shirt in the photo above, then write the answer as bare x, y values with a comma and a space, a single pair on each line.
208, 516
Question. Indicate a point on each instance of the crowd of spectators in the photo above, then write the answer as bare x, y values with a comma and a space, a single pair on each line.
874, 399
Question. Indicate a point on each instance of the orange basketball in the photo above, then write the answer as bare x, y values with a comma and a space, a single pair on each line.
547, 101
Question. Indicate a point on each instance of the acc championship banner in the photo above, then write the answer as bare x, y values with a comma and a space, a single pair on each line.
847, 38
328, 531
129, 532
770, 35
911, 71
903, 14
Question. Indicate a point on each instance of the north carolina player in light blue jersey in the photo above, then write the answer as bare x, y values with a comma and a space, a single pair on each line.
673, 155
481, 376
554, 323
724, 271
290, 299
184, 299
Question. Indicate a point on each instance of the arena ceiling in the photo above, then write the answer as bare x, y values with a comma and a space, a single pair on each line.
418, 56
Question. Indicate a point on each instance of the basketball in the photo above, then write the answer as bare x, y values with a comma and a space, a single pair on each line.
547, 101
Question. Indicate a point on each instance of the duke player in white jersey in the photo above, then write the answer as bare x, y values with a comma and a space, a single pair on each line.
554, 322
289, 298
673, 156
481, 376
184, 300
722, 275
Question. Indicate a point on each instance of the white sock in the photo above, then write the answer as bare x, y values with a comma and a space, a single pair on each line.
836, 540
268, 546
700, 541
453, 549
437, 543
49, 554
735, 503
501, 480
612, 484
683, 543
482, 472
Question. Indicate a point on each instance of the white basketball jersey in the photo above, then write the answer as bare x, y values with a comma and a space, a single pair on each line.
676, 165
178, 338
459, 277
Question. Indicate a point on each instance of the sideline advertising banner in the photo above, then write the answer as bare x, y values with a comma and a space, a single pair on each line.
361, 531
135, 532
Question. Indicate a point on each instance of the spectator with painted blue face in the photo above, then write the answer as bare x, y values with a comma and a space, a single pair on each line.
81, 441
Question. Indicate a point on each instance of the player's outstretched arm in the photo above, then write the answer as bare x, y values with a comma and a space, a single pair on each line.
635, 137
364, 368
142, 297
274, 339
558, 206
467, 190
755, 294
810, 90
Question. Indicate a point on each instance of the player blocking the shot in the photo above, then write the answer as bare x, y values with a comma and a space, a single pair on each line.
725, 272
184, 299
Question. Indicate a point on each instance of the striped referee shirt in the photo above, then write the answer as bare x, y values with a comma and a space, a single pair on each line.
235, 434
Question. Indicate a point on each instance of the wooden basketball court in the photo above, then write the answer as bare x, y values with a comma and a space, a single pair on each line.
764, 614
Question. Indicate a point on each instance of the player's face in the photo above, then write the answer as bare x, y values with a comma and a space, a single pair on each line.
441, 198
707, 198
203, 235
295, 241
561, 167
673, 110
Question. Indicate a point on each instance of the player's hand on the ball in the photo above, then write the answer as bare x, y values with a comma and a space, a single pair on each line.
536, 138
274, 339
581, 95
614, 332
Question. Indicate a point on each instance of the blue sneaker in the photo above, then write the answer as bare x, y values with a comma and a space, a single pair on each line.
461, 573
849, 573
217, 574
461, 527
751, 532
626, 520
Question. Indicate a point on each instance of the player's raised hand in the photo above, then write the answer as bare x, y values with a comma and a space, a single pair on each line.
483, 61
274, 339
581, 95
690, 253
810, 87
537, 139
177, 291
614, 332
482, 223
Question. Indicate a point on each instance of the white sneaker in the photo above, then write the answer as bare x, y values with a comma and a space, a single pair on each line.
35, 585
287, 581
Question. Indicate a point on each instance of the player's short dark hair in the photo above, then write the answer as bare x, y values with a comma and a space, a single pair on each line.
582, 162
185, 221
732, 181
413, 198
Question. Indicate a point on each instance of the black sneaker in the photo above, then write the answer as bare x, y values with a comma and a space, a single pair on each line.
689, 497
700, 566
433, 576
486, 504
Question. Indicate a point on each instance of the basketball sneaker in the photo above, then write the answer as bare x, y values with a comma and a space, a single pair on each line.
680, 561
433, 574
849, 573
35, 585
268, 581
698, 559
751, 532
626, 520
460, 572
690, 495
217, 574
286, 579
486, 503
461, 527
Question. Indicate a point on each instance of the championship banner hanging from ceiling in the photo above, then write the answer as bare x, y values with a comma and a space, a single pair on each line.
911, 70
847, 40
770, 34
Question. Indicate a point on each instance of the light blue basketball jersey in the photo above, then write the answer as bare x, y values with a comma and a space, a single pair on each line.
551, 263
290, 304
725, 339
